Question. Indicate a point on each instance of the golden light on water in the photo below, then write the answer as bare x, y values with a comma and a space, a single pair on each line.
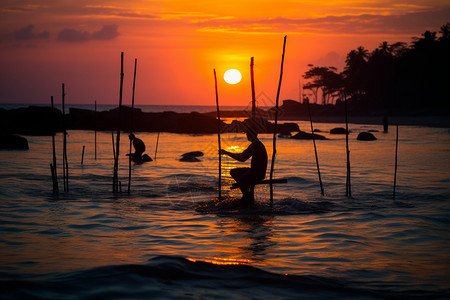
224, 261
234, 148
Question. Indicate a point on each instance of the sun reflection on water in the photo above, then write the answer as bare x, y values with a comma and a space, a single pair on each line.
224, 261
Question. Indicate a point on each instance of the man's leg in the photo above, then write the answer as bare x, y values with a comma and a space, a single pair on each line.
244, 178
238, 175
138, 156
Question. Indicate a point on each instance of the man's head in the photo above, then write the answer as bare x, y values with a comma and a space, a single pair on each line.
253, 126
252, 134
131, 136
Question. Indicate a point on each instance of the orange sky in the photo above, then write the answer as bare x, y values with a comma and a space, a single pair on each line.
178, 43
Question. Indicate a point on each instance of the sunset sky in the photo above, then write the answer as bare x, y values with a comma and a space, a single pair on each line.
178, 43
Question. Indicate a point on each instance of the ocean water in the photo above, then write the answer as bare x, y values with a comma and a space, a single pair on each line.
170, 238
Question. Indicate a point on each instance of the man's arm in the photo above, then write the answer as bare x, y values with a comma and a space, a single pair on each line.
243, 156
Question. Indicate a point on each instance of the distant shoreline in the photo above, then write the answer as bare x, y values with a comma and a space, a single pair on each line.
38, 119
413, 119
430, 121
424, 120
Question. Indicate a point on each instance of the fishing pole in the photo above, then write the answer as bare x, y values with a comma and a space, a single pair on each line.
275, 125
218, 136
314, 143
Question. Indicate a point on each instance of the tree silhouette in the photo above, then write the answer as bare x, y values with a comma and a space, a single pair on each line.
327, 80
355, 72
394, 78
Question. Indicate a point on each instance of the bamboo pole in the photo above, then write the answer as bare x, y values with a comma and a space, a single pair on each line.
275, 125
53, 166
116, 160
95, 130
113, 145
157, 142
131, 125
395, 168
65, 162
82, 155
218, 136
52, 170
315, 148
348, 188
64, 141
252, 62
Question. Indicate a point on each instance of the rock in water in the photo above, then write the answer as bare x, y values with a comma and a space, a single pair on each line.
366, 136
13, 142
189, 159
191, 156
301, 135
338, 130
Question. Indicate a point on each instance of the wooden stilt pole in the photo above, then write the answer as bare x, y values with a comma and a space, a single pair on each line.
252, 61
116, 160
157, 142
95, 130
315, 148
114, 170
82, 155
52, 170
53, 166
218, 137
275, 125
64, 143
65, 162
348, 190
131, 125
113, 146
395, 168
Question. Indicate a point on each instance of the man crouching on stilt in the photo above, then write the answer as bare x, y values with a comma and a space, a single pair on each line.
246, 178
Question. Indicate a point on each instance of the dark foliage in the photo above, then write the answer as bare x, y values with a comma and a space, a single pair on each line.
392, 78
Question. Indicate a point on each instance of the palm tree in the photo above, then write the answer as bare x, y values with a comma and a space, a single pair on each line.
354, 71
398, 49
445, 32
363, 54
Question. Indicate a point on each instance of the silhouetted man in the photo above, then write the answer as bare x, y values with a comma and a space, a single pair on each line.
139, 148
246, 178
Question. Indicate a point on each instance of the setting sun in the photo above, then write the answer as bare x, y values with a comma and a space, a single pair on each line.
232, 76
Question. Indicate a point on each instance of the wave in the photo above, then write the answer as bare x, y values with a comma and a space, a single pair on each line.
178, 277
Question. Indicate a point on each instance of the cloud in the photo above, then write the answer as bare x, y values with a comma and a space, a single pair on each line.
117, 12
27, 33
73, 35
25, 8
108, 32
349, 24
